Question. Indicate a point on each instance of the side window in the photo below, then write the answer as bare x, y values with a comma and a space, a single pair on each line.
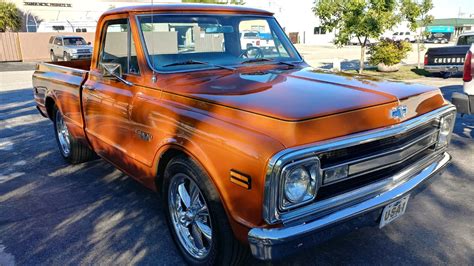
116, 46
51, 39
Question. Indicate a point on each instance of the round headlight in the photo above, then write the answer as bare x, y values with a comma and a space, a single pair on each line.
296, 184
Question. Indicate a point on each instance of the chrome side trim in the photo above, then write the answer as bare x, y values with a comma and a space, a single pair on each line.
267, 243
271, 212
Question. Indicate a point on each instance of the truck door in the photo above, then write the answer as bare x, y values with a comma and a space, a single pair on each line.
107, 100
58, 43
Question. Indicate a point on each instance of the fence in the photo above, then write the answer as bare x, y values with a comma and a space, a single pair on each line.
30, 46
9, 47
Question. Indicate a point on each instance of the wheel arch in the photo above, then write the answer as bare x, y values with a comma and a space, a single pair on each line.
174, 148
50, 103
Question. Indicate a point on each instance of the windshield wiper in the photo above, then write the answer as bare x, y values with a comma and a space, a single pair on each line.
195, 62
256, 60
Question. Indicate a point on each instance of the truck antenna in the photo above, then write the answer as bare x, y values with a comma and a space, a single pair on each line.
153, 77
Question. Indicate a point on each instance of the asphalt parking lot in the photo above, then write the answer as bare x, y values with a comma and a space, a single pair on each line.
52, 213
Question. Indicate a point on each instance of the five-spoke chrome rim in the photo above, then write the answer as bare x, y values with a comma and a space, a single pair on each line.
190, 216
63, 134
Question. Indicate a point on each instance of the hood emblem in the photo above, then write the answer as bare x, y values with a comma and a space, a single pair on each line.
399, 112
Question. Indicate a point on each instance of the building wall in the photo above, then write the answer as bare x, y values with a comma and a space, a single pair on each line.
295, 17
34, 45
69, 10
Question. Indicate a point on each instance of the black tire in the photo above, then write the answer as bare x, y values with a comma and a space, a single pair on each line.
66, 57
52, 56
78, 152
225, 248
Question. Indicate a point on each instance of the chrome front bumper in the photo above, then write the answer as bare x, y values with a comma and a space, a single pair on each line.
81, 56
444, 68
275, 243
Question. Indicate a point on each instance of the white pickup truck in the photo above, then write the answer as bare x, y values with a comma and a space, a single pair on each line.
464, 101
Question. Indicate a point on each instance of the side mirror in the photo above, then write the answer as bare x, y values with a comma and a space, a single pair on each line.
110, 70
89, 43
113, 70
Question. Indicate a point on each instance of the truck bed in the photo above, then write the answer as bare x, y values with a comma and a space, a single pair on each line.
60, 83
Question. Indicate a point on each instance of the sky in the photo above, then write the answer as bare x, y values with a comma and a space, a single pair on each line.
451, 8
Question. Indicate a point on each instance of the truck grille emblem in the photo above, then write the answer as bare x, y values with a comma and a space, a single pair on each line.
399, 112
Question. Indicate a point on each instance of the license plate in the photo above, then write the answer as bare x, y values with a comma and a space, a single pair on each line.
393, 211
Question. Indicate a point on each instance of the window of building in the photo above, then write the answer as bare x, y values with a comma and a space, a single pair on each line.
319, 30
58, 27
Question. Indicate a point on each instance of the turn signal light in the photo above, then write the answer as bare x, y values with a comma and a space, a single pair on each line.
335, 174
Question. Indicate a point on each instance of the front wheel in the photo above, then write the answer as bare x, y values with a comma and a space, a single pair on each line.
66, 57
72, 151
196, 217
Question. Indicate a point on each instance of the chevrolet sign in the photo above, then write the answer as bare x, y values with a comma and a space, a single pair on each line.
449, 60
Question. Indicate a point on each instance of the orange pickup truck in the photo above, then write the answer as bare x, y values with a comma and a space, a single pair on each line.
251, 150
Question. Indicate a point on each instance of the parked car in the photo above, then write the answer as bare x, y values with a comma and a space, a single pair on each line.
404, 36
249, 39
259, 154
355, 41
448, 60
438, 37
69, 48
464, 101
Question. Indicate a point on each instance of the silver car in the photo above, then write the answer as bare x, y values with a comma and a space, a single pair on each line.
69, 48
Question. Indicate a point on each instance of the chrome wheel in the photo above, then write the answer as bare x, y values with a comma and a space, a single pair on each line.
63, 135
190, 216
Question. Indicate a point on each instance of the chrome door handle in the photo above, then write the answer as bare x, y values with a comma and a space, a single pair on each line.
88, 87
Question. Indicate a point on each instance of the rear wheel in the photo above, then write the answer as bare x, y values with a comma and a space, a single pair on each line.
196, 217
52, 56
72, 151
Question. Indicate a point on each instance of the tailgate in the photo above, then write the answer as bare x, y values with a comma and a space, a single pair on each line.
454, 55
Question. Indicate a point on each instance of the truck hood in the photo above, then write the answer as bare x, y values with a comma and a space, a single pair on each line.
302, 94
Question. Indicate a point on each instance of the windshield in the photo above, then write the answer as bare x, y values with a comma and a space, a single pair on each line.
185, 42
74, 41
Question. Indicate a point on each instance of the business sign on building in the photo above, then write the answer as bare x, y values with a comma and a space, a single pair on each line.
47, 4
440, 29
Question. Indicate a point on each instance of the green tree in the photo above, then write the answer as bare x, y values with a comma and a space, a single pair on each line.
10, 18
416, 13
222, 2
362, 19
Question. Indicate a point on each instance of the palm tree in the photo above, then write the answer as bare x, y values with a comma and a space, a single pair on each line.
10, 18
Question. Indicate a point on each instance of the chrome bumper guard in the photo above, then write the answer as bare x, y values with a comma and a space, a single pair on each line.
444, 68
275, 243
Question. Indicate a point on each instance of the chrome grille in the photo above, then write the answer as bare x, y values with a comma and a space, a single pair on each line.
384, 153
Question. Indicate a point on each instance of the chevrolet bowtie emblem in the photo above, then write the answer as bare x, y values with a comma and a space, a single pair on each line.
399, 112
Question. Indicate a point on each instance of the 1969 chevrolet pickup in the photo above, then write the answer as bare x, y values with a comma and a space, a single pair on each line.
251, 149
